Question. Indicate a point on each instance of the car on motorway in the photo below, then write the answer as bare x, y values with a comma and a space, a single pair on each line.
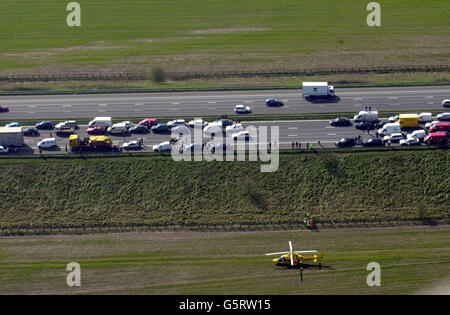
44, 125
4, 108
199, 123
446, 103
162, 147
193, 147
242, 109
139, 129
4, 150
213, 129
132, 145
443, 117
340, 122
394, 137
97, 130
68, 123
364, 125
372, 142
149, 122
393, 119
234, 128
346, 142
13, 124
47, 143
425, 117
419, 134
410, 141
440, 126
176, 122
127, 123
180, 130
30, 131
224, 121
241, 135
161, 128
381, 124
274, 102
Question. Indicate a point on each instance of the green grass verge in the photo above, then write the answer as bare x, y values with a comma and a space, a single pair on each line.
412, 260
154, 189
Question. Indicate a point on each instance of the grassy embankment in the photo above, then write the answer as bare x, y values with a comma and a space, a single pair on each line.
370, 185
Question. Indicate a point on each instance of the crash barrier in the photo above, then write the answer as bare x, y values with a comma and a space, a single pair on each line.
183, 75
28, 230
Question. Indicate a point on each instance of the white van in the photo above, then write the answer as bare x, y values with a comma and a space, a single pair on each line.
425, 117
103, 122
162, 147
418, 134
389, 129
47, 143
370, 116
446, 103
443, 117
118, 128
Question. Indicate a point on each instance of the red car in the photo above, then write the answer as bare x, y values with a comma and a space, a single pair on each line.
149, 122
97, 130
4, 108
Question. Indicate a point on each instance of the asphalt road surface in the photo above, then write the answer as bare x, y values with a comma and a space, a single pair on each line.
303, 131
179, 104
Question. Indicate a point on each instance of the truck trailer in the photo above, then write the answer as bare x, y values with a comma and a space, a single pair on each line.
317, 89
408, 120
11, 137
369, 116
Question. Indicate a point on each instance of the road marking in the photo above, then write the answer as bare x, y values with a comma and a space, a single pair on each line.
103, 105
292, 128
138, 104
66, 111
395, 104
67, 106
331, 134
357, 98
31, 106
175, 103
429, 96
330, 127
212, 102
392, 97
292, 135
212, 107
248, 101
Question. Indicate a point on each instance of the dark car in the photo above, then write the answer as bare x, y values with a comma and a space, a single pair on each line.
139, 129
225, 122
380, 124
340, 121
30, 131
44, 125
346, 142
374, 142
161, 128
274, 102
364, 125
4, 108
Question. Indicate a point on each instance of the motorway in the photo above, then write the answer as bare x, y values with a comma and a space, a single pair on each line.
303, 131
179, 104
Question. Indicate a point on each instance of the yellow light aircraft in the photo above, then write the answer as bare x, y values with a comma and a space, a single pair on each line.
297, 258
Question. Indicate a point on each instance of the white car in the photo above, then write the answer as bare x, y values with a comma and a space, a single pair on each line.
198, 123
409, 141
162, 147
128, 124
176, 122
68, 123
180, 130
393, 119
443, 116
429, 124
393, 137
446, 103
132, 145
46, 143
234, 128
213, 128
241, 109
241, 135
4, 150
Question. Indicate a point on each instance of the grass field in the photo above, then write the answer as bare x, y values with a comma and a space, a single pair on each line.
333, 186
412, 260
203, 35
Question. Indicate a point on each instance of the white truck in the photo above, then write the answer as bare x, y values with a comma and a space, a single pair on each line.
11, 136
369, 116
104, 122
317, 89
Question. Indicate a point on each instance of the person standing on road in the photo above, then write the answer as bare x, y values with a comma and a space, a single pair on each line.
293, 145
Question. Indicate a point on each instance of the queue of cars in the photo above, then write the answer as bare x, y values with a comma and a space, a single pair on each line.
396, 129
